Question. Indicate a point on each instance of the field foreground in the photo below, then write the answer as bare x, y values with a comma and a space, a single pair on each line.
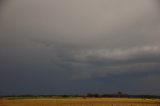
79, 102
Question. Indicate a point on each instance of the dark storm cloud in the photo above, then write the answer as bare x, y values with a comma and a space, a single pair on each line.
52, 45
1, 2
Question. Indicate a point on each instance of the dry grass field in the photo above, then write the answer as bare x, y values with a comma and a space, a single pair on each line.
79, 102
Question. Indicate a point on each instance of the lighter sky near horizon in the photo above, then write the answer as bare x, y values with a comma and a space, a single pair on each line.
79, 46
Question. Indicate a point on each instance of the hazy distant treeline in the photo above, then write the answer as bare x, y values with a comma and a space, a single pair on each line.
90, 95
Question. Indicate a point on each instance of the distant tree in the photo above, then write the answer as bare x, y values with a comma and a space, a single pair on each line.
65, 96
93, 95
120, 93
96, 95
89, 95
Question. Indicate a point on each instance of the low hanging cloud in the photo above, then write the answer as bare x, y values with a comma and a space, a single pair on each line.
80, 39
116, 61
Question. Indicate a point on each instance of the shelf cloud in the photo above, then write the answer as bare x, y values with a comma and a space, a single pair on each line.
52, 45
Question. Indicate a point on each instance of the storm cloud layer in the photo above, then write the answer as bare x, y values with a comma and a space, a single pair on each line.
79, 46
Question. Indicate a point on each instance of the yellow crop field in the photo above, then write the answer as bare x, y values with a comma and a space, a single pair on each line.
79, 102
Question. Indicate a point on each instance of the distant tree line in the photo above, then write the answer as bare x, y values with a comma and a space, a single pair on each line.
89, 95
121, 96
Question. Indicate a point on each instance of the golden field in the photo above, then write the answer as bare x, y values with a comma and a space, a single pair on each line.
79, 102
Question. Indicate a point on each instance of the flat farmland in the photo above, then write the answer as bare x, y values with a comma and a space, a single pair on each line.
78, 102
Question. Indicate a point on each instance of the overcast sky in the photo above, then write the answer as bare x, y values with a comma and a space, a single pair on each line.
79, 46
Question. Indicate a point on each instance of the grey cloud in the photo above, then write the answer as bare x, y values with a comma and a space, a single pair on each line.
118, 61
68, 25
84, 41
